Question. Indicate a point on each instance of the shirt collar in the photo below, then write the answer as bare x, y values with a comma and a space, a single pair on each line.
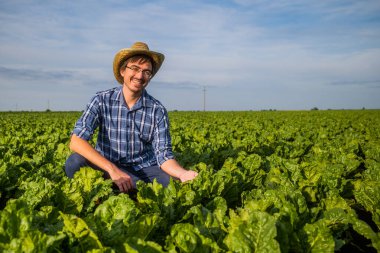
144, 101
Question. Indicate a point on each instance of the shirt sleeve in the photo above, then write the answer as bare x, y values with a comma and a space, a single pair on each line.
89, 121
162, 140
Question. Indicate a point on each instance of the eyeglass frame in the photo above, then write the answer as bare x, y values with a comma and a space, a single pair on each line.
146, 72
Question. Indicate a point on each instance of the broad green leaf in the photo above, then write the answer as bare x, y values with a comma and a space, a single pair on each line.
319, 238
137, 245
81, 236
209, 220
252, 231
187, 238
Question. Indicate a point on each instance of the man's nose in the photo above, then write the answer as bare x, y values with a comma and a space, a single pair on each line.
139, 74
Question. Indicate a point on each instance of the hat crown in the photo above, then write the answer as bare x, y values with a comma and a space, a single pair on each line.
140, 46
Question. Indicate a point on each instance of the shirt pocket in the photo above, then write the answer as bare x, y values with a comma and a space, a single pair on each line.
146, 133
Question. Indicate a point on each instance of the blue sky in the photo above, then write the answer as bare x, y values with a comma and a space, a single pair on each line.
248, 55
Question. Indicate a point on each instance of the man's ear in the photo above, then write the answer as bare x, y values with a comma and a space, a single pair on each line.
122, 71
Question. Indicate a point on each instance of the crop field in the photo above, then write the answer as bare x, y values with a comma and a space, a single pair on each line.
270, 181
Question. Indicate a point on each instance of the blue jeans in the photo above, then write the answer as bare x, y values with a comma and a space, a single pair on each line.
76, 161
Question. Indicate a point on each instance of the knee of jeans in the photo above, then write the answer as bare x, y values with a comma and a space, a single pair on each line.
73, 164
164, 179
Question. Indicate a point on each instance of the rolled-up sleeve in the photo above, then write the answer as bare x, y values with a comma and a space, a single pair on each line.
89, 121
162, 140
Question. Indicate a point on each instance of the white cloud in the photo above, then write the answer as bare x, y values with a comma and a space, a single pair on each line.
236, 50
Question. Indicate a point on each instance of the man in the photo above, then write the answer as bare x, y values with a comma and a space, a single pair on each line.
133, 141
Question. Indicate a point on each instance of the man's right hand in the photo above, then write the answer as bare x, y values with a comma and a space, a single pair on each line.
121, 179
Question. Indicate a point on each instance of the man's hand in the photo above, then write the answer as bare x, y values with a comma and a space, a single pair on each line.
188, 175
173, 168
121, 179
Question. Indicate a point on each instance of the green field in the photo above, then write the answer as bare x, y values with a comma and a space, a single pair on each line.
274, 181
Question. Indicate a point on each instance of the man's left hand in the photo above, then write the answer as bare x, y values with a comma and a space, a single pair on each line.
188, 175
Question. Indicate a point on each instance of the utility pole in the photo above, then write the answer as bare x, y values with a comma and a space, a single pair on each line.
204, 98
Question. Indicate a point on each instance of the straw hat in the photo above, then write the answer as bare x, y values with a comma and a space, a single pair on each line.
135, 49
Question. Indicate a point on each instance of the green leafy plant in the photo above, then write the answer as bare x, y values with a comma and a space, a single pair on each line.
270, 181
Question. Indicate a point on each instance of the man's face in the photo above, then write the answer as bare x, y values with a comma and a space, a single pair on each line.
137, 76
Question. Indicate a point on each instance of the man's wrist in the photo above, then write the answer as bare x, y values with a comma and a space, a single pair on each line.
110, 167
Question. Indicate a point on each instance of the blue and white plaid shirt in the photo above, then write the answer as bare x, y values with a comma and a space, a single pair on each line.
137, 137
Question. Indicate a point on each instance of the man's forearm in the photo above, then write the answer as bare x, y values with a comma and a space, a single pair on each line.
85, 149
173, 168
120, 178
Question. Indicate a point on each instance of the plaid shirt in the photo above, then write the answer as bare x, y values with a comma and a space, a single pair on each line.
137, 137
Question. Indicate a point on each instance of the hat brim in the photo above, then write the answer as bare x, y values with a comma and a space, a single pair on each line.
126, 53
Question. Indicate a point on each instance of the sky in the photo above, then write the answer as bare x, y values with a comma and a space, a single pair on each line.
219, 55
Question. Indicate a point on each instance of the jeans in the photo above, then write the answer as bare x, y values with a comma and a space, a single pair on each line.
76, 161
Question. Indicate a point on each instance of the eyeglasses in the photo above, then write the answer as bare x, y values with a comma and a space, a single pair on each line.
146, 73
